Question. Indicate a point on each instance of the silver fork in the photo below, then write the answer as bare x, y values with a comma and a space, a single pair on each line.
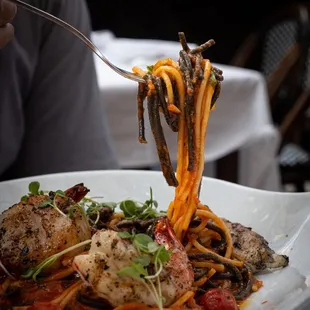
81, 36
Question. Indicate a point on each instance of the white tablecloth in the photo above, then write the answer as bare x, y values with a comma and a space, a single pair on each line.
241, 120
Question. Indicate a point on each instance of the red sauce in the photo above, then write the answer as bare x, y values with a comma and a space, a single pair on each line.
37, 294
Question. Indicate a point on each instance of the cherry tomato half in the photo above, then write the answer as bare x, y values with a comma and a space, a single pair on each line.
218, 299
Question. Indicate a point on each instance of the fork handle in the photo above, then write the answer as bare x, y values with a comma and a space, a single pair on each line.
78, 34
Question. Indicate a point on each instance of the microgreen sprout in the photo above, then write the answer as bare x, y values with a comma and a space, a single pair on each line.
137, 210
53, 203
34, 189
150, 253
93, 207
48, 262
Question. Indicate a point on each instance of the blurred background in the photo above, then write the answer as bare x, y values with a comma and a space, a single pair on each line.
259, 134
227, 24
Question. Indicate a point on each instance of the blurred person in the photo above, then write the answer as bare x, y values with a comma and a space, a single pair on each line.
51, 116
7, 12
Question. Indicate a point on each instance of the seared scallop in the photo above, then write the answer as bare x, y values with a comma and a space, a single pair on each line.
30, 233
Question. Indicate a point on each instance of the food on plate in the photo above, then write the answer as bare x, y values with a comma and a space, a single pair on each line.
129, 257
218, 298
185, 91
254, 249
66, 250
110, 253
37, 227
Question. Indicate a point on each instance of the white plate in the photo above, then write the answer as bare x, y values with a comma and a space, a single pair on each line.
282, 218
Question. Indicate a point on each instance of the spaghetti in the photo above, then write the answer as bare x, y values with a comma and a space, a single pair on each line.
185, 92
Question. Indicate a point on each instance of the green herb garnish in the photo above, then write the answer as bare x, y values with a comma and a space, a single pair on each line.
125, 235
34, 189
150, 254
46, 203
213, 80
150, 69
137, 210
131, 209
24, 198
60, 193
143, 259
93, 207
52, 203
151, 202
48, 262
74, 207
141, 242
135, 270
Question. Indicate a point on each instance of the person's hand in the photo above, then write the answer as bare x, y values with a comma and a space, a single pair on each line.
7, 13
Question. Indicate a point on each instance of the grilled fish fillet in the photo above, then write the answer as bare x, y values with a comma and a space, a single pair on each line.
254, 249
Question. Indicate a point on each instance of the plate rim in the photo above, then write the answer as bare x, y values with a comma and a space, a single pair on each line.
302, 300
149, 172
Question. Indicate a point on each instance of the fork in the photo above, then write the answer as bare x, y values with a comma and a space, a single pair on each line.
81, 36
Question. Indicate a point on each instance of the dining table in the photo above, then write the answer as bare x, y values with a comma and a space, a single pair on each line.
240, 123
